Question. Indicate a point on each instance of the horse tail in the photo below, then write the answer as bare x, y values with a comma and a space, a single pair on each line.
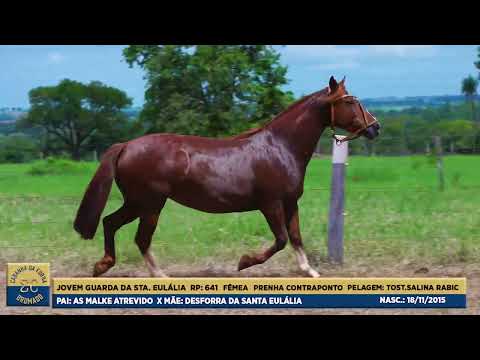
96, 195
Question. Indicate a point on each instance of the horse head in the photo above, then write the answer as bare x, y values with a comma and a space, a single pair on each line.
347, 113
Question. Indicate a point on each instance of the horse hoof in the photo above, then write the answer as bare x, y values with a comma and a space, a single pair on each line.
245, 262
313, 273
102, 266
99, 269
158, 274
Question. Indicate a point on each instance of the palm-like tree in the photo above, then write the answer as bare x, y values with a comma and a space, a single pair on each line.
477, 63
469, 89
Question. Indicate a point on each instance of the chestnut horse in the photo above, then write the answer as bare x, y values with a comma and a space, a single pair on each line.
262, 169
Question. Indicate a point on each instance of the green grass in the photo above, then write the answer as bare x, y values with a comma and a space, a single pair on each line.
394, 212
52, 166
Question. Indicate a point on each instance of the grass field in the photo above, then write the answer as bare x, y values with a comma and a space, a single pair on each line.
394, 214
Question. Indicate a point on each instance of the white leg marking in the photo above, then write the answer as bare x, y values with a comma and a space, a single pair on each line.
303, 263
152, 265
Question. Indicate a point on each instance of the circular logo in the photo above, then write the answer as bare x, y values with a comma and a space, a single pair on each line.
29, 279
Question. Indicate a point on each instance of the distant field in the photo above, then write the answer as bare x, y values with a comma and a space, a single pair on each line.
394, 213
390, 107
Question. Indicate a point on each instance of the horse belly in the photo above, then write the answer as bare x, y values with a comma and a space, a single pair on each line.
215, 189
203, 201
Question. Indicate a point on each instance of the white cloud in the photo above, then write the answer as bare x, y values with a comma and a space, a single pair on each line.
403, 50
55, 57
341, 57
320, 51
310, 53
345, 64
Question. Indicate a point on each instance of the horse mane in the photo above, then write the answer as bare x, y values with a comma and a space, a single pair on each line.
291, 108
247, 133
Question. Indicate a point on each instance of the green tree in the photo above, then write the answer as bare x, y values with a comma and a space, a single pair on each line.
457, 132
469, 89
209, 90
76, 113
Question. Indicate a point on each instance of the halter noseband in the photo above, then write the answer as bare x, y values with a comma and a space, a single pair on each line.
356, 134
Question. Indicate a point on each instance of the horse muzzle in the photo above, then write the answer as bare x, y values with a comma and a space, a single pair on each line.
372, 131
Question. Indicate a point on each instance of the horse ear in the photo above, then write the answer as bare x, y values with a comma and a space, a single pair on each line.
333, 84
342, 83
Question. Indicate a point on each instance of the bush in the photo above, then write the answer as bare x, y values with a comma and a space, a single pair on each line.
52, 166
18, 148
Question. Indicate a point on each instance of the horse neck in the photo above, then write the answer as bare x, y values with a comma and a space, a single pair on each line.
301, 130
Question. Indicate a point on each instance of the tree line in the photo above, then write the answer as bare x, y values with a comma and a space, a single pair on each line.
412, 131
211, 91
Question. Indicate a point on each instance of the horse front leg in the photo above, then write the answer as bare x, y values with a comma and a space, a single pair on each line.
275, 216
293, 226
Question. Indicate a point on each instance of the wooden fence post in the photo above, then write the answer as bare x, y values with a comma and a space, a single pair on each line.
427, 149
337, 202
438, 154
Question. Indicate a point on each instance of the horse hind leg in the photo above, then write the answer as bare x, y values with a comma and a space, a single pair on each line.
143, 239
111, 224
274, 214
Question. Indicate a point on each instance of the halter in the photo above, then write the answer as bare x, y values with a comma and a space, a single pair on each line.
356, 134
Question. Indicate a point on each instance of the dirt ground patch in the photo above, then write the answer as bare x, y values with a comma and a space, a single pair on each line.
276, 269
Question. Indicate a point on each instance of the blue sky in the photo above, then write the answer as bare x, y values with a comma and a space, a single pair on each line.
371, 70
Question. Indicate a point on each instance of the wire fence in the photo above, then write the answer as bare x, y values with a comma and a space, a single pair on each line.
384, 145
